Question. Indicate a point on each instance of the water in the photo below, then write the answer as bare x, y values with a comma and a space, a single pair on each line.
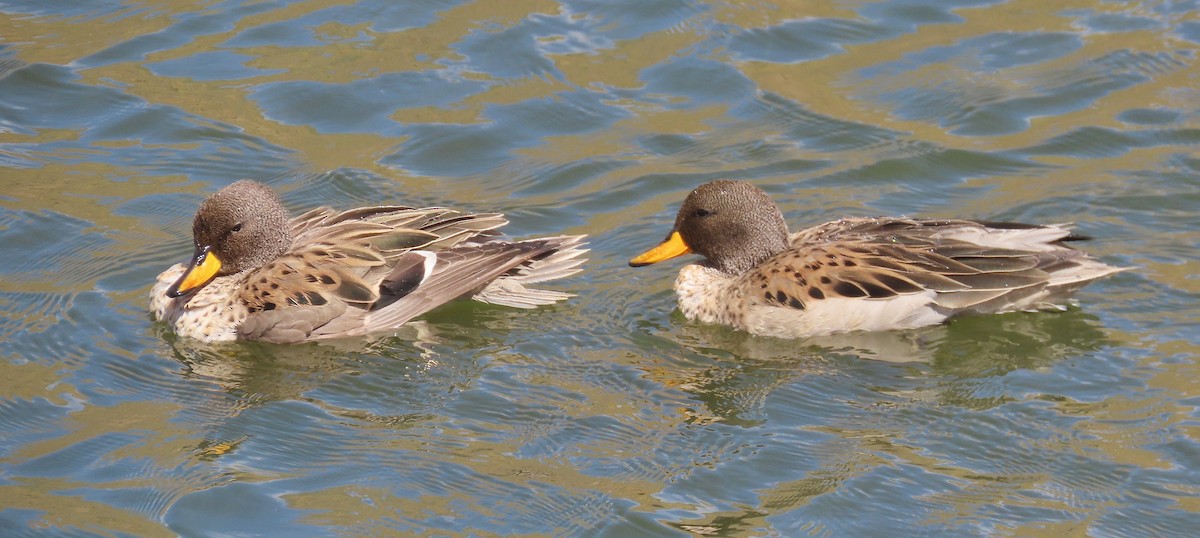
608, 415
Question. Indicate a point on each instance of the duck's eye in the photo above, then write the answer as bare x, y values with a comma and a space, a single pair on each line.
702, 212
236, 228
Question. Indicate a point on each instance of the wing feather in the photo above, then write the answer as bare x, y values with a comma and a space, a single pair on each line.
886, 258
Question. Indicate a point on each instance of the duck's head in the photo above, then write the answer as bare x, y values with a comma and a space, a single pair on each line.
733, 224
242, 226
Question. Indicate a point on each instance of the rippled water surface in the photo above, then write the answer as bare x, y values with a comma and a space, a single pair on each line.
609, 414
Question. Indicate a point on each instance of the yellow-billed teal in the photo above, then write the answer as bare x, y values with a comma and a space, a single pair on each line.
859, 273
258, 275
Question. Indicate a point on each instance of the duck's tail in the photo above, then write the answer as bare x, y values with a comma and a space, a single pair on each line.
561, 260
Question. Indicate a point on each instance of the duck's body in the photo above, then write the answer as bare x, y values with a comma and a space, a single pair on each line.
258, 275
859, 274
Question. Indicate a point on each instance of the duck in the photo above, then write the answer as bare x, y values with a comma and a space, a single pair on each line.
859, 274
257, 274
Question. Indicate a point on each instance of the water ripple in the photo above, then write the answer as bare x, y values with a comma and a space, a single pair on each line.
608, 414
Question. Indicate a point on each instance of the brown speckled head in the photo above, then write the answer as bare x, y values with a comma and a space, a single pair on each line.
733, 224
244, 224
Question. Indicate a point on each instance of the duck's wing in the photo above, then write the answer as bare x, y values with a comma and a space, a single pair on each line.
960, 274
930, 233
337, 269
451, 227
495, 272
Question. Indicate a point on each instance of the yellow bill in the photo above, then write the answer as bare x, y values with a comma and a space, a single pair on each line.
205, 266
672, 247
